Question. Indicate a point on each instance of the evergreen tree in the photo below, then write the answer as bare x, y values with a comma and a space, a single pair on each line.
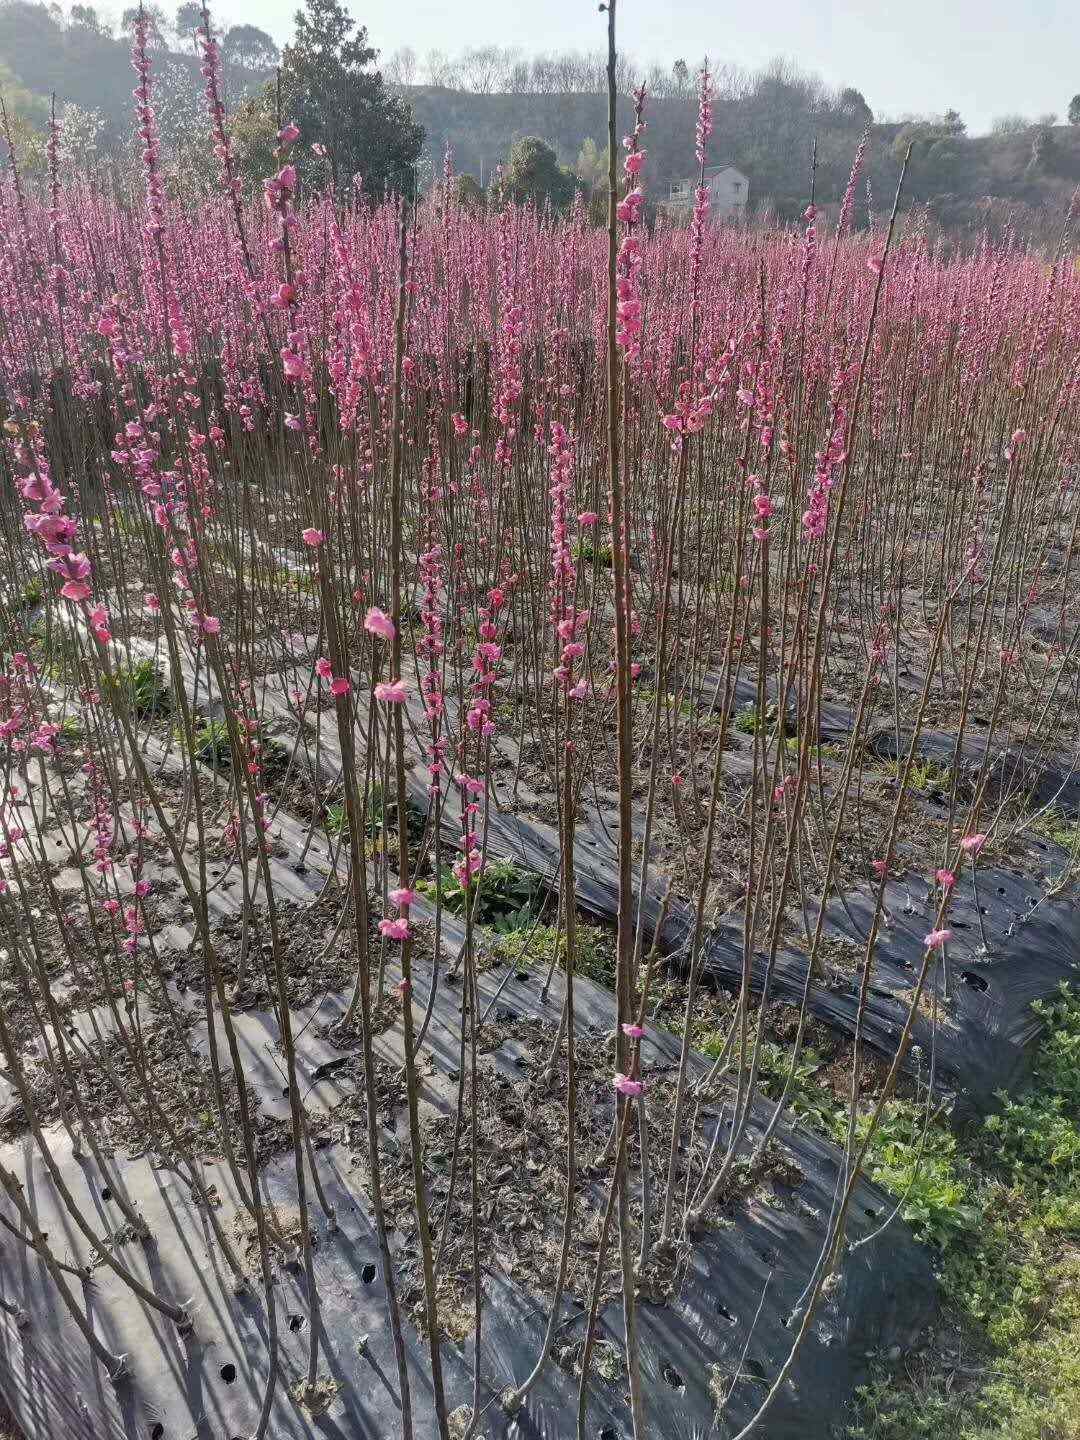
533, 173
332, 90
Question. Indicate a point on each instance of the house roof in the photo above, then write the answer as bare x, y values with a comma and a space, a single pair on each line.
711, 172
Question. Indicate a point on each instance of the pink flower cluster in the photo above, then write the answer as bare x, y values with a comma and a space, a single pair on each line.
148, 131
828, 462
472, 861
486, 658
210, 69
52, 528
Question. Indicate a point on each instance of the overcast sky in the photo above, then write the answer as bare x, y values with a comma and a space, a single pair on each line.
981, 57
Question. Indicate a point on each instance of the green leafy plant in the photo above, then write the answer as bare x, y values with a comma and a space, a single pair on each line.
586, 550
747, 721
1063, 832
928, 1175
381, 817
33, 592
212, 744
144, 687
925, 775
508, 899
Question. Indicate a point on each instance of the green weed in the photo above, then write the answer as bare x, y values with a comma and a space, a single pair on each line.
924, 775
508, 899
586, 551
33, 592
212, 744
1012, 1271
1062, 832
543, 944
144, 687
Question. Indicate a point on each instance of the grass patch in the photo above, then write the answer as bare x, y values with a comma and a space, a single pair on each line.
936, 1200
827, 750
669, 701
924, 775
1061, 831
381, 818
543, 944
748, 721
1012, 1272
212, 744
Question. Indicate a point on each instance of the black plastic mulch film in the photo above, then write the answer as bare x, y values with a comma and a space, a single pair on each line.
730, 1325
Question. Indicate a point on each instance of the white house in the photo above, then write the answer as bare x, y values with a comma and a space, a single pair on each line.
729, 191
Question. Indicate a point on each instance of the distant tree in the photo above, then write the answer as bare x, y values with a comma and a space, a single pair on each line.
188, 18
468, 192
80, 133
401, 67
1044, 149
944, 165
953, 123
26, 118
157, 25
438, 67
482, 69
533, 173
331, 89
250, 47
939, 154
1074, 110
88, 18
1009, 125
852, 105
253, 131
680, 74
591, 166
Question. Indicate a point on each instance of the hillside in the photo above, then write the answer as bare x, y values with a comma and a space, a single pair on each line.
770, 138
84, 64
767, 127
81, 64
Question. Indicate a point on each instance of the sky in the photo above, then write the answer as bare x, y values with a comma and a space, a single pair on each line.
983, 58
